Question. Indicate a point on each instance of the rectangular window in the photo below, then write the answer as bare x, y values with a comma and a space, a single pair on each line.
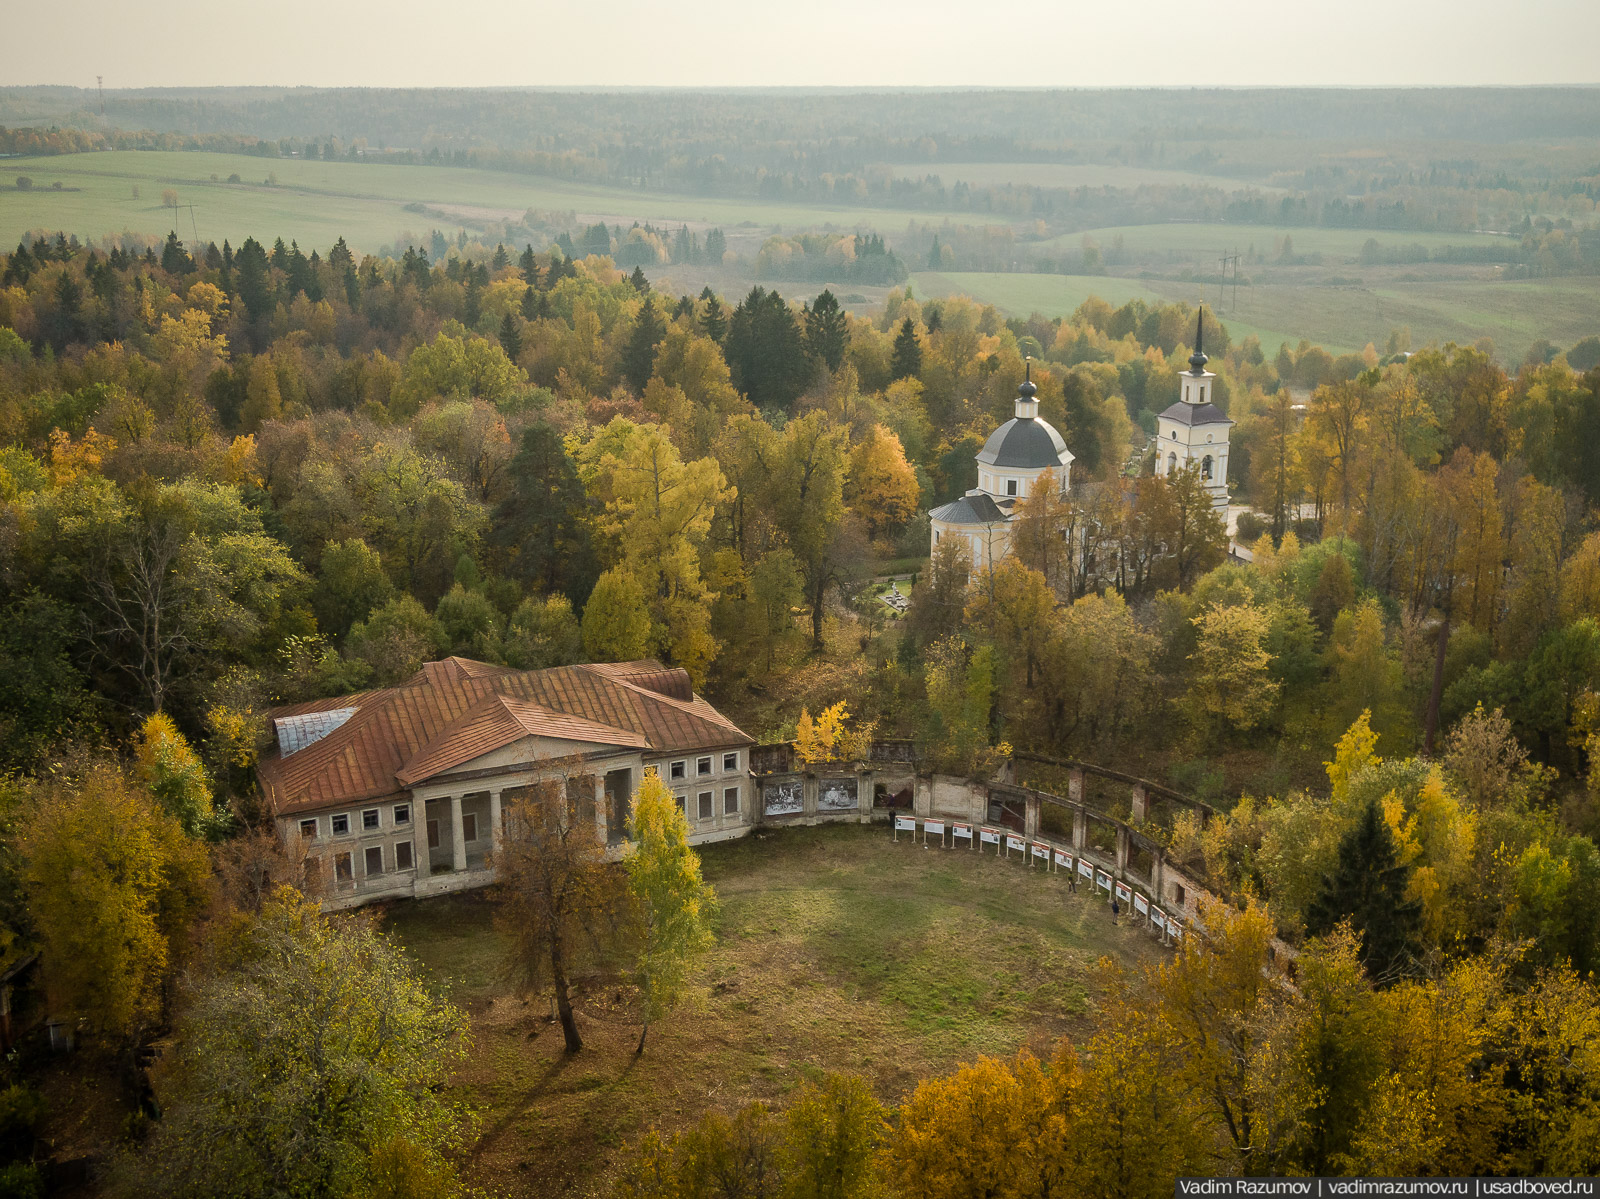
341, 825
1011, 487
313, 874
369, 819
730, 802
730, 761
704, 802
703, 767
679, 769
402, 856
469, 827
402, 813
342, 869
374, 860
308, 828
682, 804
433, 834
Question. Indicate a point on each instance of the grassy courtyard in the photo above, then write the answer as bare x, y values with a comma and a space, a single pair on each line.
837, 950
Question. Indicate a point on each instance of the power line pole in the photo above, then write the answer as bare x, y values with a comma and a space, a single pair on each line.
1222, 280
100, 86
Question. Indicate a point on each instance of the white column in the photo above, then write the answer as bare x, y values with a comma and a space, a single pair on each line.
458, 834
494, 821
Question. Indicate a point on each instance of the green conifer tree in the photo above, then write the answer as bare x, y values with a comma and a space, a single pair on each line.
907, 360
510, 337
1368, 888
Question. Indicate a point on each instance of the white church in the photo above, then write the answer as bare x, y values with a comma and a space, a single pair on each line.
1192, 433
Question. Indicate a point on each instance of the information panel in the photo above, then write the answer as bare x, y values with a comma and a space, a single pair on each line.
905, 824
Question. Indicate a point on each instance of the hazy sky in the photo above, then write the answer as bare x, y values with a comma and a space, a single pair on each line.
1050, 43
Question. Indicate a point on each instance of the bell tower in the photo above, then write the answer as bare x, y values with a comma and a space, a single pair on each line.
1193, 433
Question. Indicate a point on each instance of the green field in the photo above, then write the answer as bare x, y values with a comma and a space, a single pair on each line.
1061, 174
1204, 243
837, 949
316, 202
1514, 314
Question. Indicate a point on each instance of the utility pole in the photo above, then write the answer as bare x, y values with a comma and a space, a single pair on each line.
1222, 281
192, 223
100, 86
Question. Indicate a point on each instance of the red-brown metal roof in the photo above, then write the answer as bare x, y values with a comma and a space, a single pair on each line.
499, 721
363, 758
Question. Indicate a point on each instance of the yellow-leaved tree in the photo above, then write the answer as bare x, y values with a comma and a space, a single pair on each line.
673, 904
1230, 685
113, 885
175, 774
828, 737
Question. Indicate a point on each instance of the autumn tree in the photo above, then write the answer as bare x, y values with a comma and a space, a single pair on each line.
558, 895
805, 488
1230, 683
657, 515
113, 886
673, 904
309, 1060
961, 688
616, 623
174, 774
882, 488
1013, 606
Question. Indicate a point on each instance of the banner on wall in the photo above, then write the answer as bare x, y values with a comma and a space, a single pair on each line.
905, 824
933, 828
1124, 893
1085, 869
1013, 842
1140, 904
963, 831
1063, 860
1102, 880
989, 836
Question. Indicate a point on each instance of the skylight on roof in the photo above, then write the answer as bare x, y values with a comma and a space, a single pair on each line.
297, 732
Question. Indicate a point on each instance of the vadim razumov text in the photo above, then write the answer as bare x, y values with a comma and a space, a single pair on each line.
1335, 1188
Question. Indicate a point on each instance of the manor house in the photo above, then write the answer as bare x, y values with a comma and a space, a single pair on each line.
1026, 452
401, 791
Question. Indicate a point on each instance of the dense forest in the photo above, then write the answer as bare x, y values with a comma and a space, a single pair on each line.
239, 476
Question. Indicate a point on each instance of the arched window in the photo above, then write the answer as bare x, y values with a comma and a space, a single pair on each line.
1205, 467
1172, 464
